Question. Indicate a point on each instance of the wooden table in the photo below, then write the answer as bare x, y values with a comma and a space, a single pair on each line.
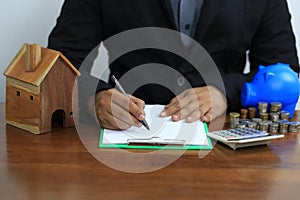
57, 165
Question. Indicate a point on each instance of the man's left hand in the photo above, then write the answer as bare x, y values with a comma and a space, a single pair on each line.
205, 103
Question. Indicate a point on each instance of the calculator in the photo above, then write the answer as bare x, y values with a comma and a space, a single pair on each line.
243, 137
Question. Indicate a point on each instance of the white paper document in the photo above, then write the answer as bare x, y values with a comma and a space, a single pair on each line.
162, 131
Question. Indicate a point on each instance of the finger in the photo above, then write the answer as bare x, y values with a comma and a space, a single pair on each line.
136, 110
200, 113
176, 105
193, 116
115, 124
181, 96
171, 109
188, 105
176, 100
207, 117
187, 111
109, 110
110, 114
106, 120
140, 103
123, 115
117, 118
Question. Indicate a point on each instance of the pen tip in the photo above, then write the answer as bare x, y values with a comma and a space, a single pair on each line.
145, 124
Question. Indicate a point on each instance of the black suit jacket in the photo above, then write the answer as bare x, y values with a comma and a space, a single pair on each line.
227, 29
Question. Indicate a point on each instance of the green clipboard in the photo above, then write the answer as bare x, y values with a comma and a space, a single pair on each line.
209, 145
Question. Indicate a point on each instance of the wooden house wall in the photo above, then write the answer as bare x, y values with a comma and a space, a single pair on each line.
22, 108
56, 94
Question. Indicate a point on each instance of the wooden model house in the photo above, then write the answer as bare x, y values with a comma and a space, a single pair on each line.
39, 82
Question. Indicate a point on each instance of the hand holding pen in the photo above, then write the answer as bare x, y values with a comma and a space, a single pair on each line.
116, 111
119, 87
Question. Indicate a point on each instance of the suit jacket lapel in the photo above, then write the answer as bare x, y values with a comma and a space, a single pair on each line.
168, 11
209, 10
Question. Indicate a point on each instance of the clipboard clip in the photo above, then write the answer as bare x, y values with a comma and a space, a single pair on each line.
155, 141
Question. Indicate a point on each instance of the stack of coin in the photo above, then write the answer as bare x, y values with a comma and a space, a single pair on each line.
274, 117
273, 127
244, 113
241, 125
263, 107
263, 126
252, 125
252, 112
257, 120
234, 119
245, 121
284, 125
264, 116
284, 115
293, 127
275, 107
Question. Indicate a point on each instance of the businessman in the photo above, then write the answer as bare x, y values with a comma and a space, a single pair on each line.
229, 30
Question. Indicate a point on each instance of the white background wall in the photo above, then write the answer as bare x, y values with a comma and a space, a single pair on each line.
30, 21
24, 21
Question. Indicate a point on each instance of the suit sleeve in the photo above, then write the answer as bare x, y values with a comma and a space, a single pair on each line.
77, 34
272, 42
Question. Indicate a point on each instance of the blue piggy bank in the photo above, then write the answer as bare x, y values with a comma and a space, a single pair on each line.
275, 83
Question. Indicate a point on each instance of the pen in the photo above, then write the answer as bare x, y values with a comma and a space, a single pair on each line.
118, 85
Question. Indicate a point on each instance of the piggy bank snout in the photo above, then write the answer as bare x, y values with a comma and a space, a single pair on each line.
249, 95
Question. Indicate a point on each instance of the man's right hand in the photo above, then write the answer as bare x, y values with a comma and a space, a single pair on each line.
116, 111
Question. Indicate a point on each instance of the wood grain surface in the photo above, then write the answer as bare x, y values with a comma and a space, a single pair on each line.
58, 165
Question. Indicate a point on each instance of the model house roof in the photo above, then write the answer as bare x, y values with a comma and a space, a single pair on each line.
48, 57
